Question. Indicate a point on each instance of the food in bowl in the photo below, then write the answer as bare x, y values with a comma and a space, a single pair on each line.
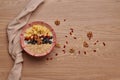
38, 38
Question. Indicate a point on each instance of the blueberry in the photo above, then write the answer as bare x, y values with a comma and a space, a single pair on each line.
50, 42
45, 40
33, 41
28, 42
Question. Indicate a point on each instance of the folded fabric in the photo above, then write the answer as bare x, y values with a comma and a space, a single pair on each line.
14, 31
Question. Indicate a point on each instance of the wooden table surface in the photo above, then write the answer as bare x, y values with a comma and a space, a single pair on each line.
102, 17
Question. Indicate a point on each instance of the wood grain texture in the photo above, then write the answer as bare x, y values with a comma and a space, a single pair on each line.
102, 17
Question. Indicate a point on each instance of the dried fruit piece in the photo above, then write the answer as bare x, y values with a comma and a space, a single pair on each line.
89, 35
57, 22
71, 50
57, 45
85, 44
27, 38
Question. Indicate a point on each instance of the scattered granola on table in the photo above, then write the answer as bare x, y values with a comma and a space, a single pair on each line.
57, 22
71, 50
85, 44
89, 35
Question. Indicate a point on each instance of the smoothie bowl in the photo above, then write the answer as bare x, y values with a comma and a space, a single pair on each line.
38, 39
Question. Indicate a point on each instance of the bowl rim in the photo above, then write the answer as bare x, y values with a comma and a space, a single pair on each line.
30, 25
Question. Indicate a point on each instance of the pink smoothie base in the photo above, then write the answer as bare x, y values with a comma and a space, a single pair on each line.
22, 38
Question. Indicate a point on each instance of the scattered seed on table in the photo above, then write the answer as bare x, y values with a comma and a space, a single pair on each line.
64, 46
89, 35
85, 52
74, 37
66, 36
78, 52
63, 51
56, 54
85, 44
71, 29
70, 33
47, 58
66, 42
57, 22
94, 50
51, 58
95, 43
104, 43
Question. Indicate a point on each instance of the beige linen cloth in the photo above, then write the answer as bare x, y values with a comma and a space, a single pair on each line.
14, 31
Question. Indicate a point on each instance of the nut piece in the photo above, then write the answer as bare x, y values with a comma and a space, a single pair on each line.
71, 50
89, 35
57, 22
85, 44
